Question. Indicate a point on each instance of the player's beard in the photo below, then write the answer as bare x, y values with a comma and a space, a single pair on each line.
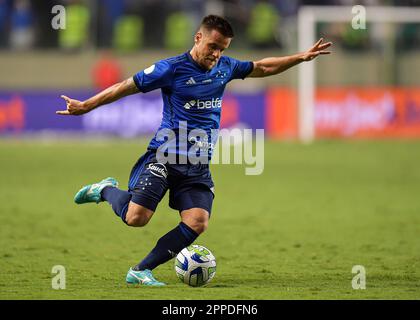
206, 61
210, 62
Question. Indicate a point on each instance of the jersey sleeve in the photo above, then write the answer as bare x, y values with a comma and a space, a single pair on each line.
158, 75
240, 69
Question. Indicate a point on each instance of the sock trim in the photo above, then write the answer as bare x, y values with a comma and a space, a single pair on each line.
189, 233
124, 212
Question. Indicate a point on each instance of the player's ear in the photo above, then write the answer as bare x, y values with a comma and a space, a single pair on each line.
197, 38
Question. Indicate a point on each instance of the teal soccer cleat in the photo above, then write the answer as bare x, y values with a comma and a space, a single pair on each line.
92, 192
144, 277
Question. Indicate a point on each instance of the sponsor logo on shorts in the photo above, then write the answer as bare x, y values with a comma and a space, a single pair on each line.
158, 169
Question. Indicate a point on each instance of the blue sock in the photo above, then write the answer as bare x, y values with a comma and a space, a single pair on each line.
118, 199
168, 246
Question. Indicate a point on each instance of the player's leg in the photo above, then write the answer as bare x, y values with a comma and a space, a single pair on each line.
194, 202
196, 218
194, 221
105, 190
137, 215
131, 213
136, 206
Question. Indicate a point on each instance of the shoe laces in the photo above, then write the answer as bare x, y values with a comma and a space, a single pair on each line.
149, 274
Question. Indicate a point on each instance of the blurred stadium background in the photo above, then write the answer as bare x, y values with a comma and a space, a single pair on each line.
363, 163
366, 89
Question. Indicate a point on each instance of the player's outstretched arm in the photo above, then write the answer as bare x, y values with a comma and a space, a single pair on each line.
275, 65
111, 94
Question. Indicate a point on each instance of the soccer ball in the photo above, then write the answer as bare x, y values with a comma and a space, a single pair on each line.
195, 265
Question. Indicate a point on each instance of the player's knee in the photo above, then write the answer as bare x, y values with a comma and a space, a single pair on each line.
138, 217
136, 221
198, 220
202, 226
199, 225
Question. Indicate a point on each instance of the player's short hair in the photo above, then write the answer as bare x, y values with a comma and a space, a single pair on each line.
213, 22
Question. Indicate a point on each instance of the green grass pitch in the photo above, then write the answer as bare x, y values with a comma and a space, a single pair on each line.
294, 232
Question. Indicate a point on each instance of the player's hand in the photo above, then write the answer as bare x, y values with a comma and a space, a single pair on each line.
74, 107
316, 50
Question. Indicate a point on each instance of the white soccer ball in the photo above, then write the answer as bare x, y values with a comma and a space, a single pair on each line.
195, 265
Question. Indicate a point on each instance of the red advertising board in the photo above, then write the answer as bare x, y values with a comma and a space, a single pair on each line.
349, 112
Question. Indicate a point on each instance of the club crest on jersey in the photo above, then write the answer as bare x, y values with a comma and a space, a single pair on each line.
158, 170
208, 104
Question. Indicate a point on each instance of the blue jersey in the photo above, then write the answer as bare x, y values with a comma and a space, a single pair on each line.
192, 99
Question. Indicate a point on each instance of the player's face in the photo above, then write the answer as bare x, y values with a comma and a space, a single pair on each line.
209, 47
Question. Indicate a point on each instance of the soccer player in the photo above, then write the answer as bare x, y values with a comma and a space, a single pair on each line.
192, 86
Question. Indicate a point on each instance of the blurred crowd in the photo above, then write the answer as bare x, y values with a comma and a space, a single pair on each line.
129, 25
